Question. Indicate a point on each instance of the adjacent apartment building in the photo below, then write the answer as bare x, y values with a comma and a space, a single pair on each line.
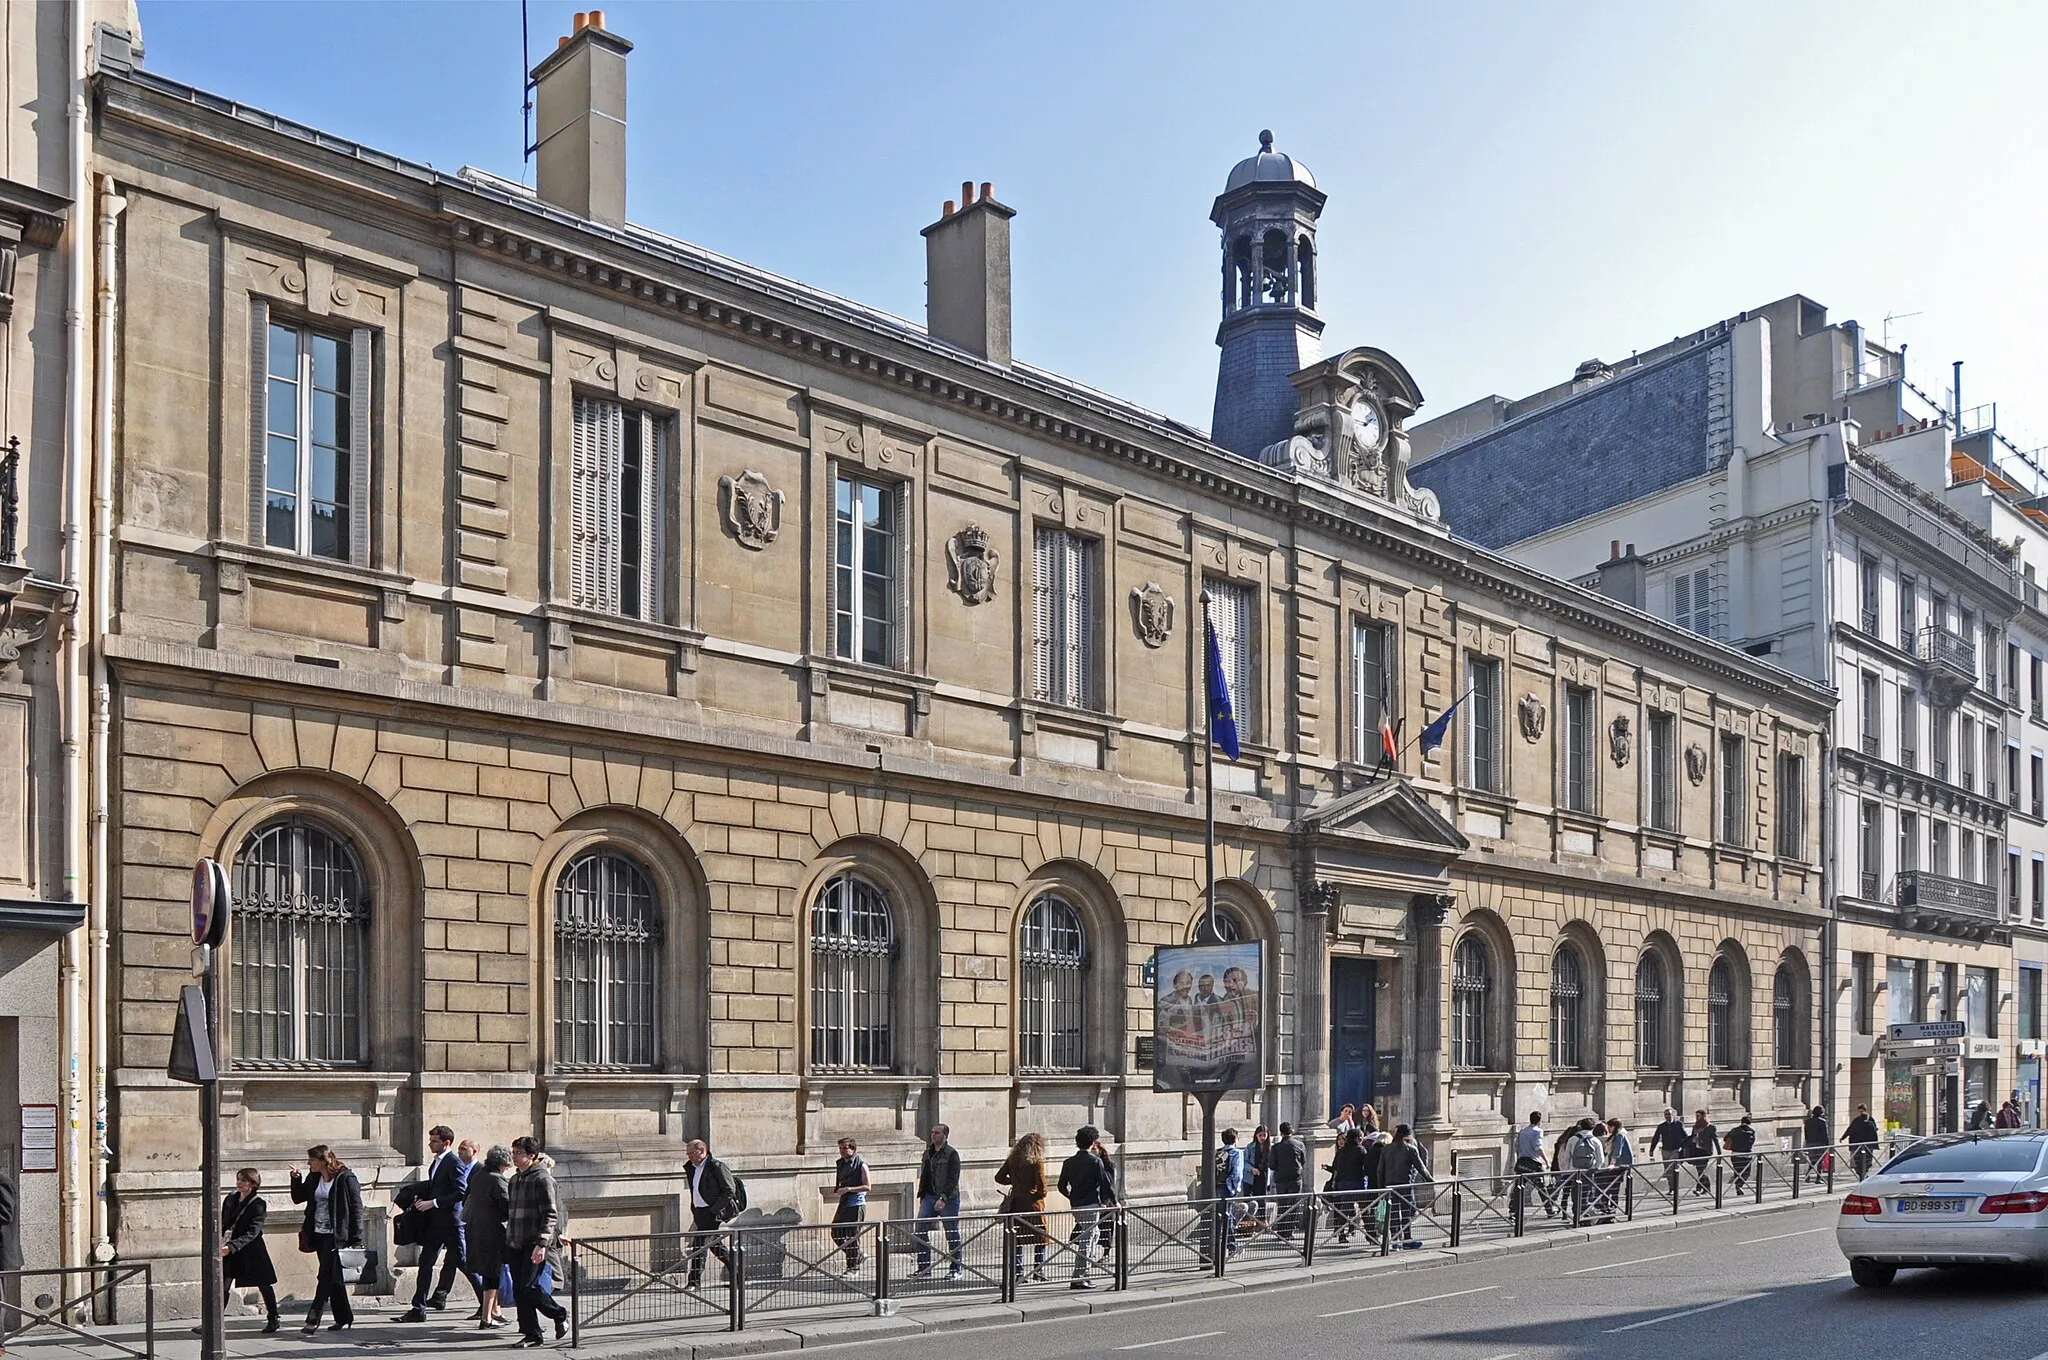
643, 697
1755, 482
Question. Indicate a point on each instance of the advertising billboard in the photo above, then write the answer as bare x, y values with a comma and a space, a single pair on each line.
1208, 1029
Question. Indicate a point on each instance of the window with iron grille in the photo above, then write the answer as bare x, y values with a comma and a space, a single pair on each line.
607, 963
1870, 579
1664, 771
1692, 601
617, 461
1471, 984
1909, 612
1052, 965
1720, 1015
853, 975
1909, 728
2013, 906
309, 488
1065, 611
1938, 741
868, 546
1232, 608
1734, 756
1482, 724
1966, 751
1371, 678
1966, 854
1908, 856
1229, 929
1791, 806
1650, 1054
1567, 1009
1578, 749
302, 909
1873, 715
1992, 736
1788, 1020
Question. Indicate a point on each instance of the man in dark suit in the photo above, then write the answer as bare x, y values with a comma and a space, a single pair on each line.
441, 1233
711, 1204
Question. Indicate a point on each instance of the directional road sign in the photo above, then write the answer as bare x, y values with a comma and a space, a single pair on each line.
1919, 1049
1927, 1029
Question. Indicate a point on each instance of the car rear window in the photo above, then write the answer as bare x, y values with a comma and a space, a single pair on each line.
1976, 1154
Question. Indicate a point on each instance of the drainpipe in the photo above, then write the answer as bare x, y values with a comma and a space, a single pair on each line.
1829, 824
111, 203
72, 664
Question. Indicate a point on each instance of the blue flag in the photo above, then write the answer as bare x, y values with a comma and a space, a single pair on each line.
1440, 727
1222, 720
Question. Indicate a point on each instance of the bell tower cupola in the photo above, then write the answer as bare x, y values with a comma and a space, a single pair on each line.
1267, 214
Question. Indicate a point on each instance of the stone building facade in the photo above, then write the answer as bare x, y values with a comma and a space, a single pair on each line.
642, 697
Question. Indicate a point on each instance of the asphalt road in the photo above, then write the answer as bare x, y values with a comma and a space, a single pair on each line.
1773, 1285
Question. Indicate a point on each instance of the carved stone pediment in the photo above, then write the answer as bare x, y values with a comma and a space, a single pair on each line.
1348, 429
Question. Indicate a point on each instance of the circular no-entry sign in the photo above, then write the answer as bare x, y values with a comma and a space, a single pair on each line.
210, 903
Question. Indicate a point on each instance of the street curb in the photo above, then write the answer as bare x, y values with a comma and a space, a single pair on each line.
844, 1331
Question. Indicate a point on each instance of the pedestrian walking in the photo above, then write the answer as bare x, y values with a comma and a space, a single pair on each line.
1089, 1183
1621, 1160
533, 1226
1667, 1142
1861, 1136
245, 1259
1529, 1164
10, 1252
1980, 1116
1583, 1159
1347, 1182
1289, 1161
850, 1186
1702, 1144
2008, 1116
1403, 1166
1023, 1173
486, 1207
938, 1200
440, 1232
1740, 1144
714, 1202
1819, 1138
334, 1223
1230, 1184
1258, 1163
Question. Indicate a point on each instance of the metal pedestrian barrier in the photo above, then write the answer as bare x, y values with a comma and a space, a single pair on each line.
101, 1286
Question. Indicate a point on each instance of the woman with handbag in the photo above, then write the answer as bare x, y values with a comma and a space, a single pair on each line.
1347, 1180
247, 1260
334, 1222
1024, 1172
486, 1205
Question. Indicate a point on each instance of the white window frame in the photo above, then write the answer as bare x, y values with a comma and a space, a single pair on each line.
1581, 769
1791, 805
1663, 772
1366, 675
1066, 610
1233, 609
618, 454
1730, 825
846, 599
352, 487
1485, 752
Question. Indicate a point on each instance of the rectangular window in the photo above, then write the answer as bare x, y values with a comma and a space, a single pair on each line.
1980, 1013
1691, 600
2034, 784
1791, 806
1908, 856
1482, 724
1873, 715
1991, 739
1233, 608
1063, 611
1966, 854
1992, 859
1901, 991
2037, 887
1966, 748
1937, 848
1734, 755
617, 460
2013, 905
1909, 728
867, 571
1870, 579
2034, 679
1579, 765
1870, 834
1664, 771
1938, 741
313, 475
1941, 996
1908, 611
1371, 685
2012, 777
1860, 994
2012, 672
2029, 1000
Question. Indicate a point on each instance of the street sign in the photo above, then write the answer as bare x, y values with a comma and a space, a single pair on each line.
210, 903
191, 1040
1919, 1049
1927, 1029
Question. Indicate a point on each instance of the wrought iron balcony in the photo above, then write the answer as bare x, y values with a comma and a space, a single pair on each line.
1871, 744
1919, 890
1950, 660
1869, 886
10, 500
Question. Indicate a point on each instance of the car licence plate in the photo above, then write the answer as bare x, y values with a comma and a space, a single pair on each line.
1929, 1204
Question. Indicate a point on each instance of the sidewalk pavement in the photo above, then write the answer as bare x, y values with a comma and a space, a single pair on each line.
837, 1325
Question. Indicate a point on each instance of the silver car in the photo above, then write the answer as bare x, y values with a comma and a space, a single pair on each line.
1967, 1199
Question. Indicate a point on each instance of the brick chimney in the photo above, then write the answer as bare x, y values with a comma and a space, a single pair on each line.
1624, 576
967, 275
580, 122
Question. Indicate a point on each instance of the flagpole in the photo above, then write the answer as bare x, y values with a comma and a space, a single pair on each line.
1208, 775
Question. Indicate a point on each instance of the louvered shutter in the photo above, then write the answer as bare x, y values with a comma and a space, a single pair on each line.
361, 353
1681, 599
653, 526
899, 587
1045, 580
594, 504
1230, 608
259, 386
1074, 622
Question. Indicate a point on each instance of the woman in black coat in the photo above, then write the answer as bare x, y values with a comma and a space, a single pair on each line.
241, 1242
1347, 1180
334, 1222
485, 1207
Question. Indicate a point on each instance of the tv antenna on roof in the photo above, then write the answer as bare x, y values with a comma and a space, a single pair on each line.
525, 91
1889, 317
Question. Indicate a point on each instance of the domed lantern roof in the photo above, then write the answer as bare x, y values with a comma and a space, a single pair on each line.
1268, 167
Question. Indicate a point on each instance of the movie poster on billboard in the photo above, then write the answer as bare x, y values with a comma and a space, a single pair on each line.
1207, 1026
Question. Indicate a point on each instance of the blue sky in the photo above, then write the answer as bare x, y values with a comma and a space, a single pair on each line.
1513, 187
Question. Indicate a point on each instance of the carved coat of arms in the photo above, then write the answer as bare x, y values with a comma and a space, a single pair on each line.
972, 560
1152, 612
753, 509
1695, 763
1530, 712
1618, 736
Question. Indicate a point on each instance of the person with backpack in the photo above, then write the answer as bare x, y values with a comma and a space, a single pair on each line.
1740, 1145
1702, 1145
1230, 1184
716, 1198
1089, 1183
1861, 1136
1289, 1163
1583, 1159
938, 1200
1621, 1159
1258, 1172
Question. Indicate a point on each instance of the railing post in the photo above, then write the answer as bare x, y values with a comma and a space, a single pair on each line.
1628, 1194
1828, 1167
1720, 1178
1311, 1210
882, 1260
1515, 1209
1577, 1190
149, 1309
1457, 1211
1217, 1209
736, 1282
575, 1298
1672, 1176
1010, 1249
1120, 1247
1795, 1175
1757, 1170
1386, 1206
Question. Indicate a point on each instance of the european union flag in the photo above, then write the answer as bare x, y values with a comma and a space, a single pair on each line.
1434, 734
1222, 719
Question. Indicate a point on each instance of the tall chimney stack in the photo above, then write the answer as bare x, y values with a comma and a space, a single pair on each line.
580, 123
967, 275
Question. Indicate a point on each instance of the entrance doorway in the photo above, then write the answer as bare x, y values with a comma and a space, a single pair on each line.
1353, 998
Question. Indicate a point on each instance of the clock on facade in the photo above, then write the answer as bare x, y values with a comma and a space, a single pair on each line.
1365, 424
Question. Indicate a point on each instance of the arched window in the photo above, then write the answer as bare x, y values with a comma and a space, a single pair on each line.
1229, 929
1471, 980
607, 974
1052, 965
853, 965
1246, 275
1650, 1014
1276, 278
301, 907
1788, 1019
1305, 265
1720, 1015
1567, 992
